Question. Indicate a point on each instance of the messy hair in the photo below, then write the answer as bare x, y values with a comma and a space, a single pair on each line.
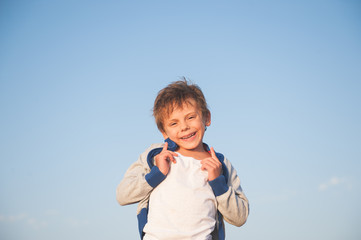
174, 96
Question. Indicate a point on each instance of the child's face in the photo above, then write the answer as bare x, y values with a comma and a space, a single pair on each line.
186, 126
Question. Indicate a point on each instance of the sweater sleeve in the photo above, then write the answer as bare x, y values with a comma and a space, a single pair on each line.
232, 203
138, 181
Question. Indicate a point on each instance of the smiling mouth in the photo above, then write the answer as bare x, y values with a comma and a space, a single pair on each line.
188, 136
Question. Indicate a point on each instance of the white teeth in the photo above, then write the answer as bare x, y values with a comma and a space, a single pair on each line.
189, 136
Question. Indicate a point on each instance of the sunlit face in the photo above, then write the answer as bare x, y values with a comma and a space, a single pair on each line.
186, 126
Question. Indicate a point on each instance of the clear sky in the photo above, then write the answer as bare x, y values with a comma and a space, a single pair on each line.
77, 84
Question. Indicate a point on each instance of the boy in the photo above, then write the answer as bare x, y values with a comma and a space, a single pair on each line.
184, 189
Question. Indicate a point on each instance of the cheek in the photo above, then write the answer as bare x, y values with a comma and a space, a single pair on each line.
170, 132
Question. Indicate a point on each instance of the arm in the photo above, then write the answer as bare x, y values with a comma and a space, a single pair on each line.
139, 180
232, 203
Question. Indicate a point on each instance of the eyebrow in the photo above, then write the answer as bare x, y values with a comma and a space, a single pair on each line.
175, 120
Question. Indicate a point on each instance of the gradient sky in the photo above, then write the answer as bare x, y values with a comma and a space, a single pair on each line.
77, 84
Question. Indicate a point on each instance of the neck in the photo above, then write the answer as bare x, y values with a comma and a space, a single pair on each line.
198, 153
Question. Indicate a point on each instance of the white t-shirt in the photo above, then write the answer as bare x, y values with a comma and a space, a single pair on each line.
183, 206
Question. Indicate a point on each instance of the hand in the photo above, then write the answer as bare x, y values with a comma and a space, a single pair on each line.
212, 165
162, 160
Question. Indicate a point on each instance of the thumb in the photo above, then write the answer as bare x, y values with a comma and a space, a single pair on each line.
165, 147
213, 153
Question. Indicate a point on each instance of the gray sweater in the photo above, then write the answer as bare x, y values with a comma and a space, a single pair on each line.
143, 176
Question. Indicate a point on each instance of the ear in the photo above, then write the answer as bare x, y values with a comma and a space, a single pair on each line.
208, 120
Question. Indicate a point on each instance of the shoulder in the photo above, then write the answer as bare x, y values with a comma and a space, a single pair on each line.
223, 159
156, 145
227, 168
152, 147
152, 150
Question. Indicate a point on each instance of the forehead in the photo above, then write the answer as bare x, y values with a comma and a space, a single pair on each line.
189, 105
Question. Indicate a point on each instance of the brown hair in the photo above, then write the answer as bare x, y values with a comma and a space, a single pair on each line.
174, 96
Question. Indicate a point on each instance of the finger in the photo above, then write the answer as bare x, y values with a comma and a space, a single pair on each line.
170, 156
213, 153
165, 147
203, 161
204, 167
212, 160
173, 153
210, 164
208, 167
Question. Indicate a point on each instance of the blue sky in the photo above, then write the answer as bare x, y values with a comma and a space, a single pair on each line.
77, 84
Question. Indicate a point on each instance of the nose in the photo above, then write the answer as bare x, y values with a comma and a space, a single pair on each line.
184, 126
